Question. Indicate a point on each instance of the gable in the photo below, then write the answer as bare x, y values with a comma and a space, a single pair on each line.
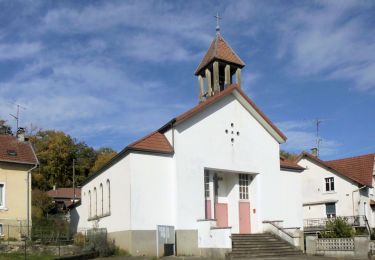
358, 169
244, 100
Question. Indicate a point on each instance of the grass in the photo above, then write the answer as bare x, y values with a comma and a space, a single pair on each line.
18, 256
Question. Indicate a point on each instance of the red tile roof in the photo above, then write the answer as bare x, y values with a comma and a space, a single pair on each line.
219, 49
289, 164
359, 168
155, 141
12, 150
64, 193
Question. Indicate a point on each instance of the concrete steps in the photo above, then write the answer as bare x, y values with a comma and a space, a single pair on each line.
254, 246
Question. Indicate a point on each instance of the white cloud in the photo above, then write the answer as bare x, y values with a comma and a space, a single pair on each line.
328, 39
19, 50
302, 137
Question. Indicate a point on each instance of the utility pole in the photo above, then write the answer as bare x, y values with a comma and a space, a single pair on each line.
74, 184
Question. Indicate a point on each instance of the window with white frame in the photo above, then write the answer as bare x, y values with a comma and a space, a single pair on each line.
2, 195
330, 184
207, 185
244, 186
331, 210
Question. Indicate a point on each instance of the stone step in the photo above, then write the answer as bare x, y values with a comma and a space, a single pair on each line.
253, 246
263, 255
255, 240
249, 245
263, 248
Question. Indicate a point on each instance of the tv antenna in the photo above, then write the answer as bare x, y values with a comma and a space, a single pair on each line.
17, 116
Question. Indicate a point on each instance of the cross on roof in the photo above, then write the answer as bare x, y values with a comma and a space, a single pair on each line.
218, 18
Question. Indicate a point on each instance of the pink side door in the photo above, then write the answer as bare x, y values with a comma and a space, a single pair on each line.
244, 212
221, 214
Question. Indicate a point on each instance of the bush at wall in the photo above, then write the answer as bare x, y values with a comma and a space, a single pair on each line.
337, 228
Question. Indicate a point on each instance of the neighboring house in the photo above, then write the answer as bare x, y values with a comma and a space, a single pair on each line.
211, 172
63, 198
342, 187
17, 160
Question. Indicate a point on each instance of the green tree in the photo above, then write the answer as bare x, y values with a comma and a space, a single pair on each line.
338, 227
103, 155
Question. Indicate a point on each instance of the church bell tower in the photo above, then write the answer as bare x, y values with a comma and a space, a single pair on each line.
218, 67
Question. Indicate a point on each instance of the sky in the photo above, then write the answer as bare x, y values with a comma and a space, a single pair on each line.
110, 72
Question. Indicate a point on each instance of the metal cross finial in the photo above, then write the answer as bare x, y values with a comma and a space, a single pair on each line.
218, 18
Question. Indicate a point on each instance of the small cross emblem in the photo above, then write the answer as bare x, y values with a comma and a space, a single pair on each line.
232, 132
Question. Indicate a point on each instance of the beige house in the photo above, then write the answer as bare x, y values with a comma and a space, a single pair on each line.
17, 160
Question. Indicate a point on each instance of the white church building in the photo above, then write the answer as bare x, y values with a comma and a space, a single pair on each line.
209, 173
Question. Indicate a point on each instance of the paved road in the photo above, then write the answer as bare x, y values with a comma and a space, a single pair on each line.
303, 257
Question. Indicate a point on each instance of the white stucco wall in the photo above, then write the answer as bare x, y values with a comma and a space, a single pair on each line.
201, 142
290, 198
315, 194
153, 191
119, 218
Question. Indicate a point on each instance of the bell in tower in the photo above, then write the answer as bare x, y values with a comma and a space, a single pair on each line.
218, 67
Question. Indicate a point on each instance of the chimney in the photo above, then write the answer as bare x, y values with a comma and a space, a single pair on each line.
21, 134
54, 187
314, 151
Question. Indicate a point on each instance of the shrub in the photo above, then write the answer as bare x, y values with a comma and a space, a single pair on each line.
79, 239
337, 228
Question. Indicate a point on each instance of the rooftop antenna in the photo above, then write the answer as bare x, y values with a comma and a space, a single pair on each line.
17, 116
318, 139
218, 18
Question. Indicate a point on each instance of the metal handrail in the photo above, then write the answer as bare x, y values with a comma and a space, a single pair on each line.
321, 222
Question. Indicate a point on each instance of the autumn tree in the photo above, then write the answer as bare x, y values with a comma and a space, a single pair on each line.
288, 155
103, 155
56, 151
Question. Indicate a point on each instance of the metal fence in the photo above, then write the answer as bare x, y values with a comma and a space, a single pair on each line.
55, 241
320, 223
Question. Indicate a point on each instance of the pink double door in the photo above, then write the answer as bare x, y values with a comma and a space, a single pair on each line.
221, 210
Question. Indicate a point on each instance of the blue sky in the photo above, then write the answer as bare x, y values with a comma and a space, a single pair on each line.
109, 72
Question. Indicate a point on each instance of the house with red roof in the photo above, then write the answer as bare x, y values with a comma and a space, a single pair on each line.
17, 160
342, 187
64, 198
204, 176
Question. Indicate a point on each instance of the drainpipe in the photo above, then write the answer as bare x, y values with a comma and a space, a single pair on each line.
28, 198
353, 197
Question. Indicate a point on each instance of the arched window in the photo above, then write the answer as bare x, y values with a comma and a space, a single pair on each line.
90, 204
109, 197
101, 206
95, 202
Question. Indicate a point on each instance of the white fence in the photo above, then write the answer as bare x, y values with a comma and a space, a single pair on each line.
335, 244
